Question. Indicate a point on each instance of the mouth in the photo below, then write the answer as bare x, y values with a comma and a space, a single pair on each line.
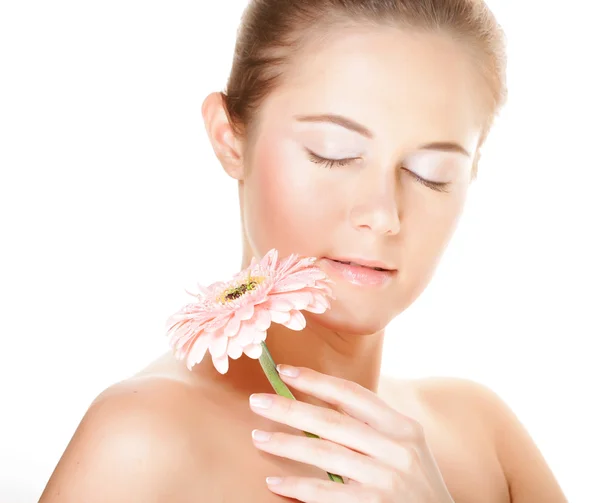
359, 272
367, 264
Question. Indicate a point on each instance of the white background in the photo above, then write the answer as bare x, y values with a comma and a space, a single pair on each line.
112, 203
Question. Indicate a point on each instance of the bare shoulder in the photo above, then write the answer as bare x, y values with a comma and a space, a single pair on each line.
468, 402
461, 404
459, 398
135, 434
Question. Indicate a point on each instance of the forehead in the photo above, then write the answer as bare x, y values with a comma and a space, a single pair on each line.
394, 82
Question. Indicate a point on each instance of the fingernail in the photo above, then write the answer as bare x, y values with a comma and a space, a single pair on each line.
274, 480
260, 401
261, 436
288, 370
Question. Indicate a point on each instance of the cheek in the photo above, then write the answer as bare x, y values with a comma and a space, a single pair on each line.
439, 214
284, 200
428, 225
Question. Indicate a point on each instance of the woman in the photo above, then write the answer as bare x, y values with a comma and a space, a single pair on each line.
353, 128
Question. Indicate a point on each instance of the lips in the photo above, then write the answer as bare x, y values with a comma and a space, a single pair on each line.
361, 272
358, 261
360, 265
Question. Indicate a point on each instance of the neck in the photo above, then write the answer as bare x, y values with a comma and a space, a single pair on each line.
350, 357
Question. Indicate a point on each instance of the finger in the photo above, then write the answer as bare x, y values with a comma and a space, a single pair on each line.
357, 401
312, 490
331, 425
327, 456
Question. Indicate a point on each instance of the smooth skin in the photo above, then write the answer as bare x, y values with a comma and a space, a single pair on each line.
394, 192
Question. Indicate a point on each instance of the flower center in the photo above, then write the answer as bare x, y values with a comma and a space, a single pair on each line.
237, 291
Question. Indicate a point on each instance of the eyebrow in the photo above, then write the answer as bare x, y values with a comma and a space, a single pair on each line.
339, 120
442, 146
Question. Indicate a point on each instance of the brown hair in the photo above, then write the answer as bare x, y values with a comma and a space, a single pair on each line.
273, 30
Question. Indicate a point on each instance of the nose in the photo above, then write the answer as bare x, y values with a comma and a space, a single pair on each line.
375, 207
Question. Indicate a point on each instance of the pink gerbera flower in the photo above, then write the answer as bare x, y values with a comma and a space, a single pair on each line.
231, 318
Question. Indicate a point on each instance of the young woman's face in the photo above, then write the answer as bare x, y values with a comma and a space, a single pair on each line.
388, 186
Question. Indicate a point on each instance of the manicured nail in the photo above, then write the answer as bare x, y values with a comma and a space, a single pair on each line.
288, 370
274, 480
261, 436
260, 401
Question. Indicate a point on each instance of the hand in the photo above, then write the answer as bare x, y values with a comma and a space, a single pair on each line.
383, 453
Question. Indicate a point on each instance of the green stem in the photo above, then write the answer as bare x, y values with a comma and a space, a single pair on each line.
270, 370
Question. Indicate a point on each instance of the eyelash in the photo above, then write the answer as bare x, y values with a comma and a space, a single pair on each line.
437, 186
330, 163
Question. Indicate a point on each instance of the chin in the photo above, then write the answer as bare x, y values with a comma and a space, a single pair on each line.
350, 323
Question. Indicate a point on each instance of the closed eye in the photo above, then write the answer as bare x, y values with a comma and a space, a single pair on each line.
329, 163
437, 186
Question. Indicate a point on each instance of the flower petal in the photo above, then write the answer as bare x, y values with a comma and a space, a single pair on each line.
279, 317
277, 303
221, 363
298, 299
261, 319
296, 321
316, 308
319, 305
245, 312
232, 327
216, 324
234, 350
287, 263
272, 257
260, 337
218, 344
288, 286
182, 334
197, 351
253, 351
322, 285
246, 334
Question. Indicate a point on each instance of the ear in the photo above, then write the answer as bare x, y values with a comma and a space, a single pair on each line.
227, 146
